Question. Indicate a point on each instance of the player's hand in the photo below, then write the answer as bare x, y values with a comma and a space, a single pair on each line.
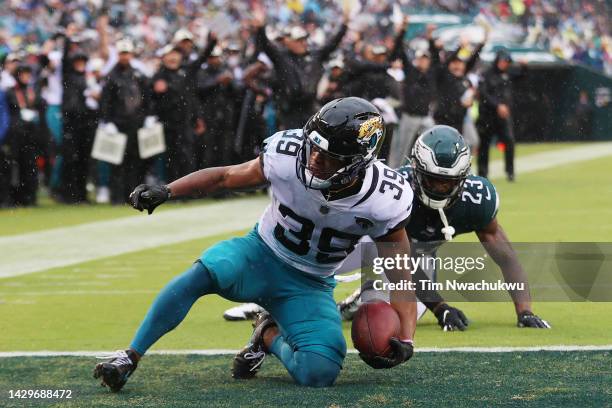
401, 352
528, 319
450, 318
148, 197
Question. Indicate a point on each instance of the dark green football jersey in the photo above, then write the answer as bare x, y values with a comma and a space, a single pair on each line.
473, 211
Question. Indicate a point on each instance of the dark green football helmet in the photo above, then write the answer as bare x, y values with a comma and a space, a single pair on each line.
442, 162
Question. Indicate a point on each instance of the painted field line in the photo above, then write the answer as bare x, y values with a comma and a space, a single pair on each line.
546, 160
59, 247
219, 352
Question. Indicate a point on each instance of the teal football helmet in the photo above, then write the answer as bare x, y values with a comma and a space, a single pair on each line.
442, 161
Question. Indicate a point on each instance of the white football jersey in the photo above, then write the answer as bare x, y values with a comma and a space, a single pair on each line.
315, 235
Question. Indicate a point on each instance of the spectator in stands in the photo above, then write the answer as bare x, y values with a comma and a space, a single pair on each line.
418, 92
455, 93
125, 103
335, 81
25, 137
216, 91
298, 70
79, 123
495, 111
175, 106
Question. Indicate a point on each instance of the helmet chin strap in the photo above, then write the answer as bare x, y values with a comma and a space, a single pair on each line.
447, 230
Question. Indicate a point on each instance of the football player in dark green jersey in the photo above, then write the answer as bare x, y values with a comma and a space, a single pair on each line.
450, 201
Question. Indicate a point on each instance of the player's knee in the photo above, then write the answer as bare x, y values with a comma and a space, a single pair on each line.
316, 371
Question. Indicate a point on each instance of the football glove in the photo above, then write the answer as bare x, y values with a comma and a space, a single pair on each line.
528, 319
450, 318
148, 197
401, 351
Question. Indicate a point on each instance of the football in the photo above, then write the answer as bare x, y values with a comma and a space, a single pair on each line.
373, 326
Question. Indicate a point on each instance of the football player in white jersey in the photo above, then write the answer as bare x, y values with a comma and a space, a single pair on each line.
328, 191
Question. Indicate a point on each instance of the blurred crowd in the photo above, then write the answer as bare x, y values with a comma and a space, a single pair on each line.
220, 77
574, 30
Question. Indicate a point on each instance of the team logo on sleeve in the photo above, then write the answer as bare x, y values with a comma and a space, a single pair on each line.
370, 132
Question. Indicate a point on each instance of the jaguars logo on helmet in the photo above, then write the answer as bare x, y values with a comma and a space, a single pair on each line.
442, 162
371, 131
350, 130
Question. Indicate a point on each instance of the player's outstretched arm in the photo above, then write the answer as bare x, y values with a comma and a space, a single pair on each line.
245, 175
404, 302
497, 244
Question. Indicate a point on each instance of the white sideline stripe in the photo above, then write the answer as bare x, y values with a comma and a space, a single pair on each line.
546, 160
59, 247
42, 250
219, 352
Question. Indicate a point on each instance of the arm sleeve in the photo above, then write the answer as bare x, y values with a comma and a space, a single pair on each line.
65, 60
268, 153
489, 207
398, 45
333, 43
264, 44
469, 65
193, 66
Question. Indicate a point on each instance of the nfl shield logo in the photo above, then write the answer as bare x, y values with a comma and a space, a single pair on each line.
364, 223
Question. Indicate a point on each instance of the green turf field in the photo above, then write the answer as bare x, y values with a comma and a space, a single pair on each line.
430, 380
97, 305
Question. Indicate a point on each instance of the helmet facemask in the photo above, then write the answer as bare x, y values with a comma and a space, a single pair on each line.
438, 191
348, 167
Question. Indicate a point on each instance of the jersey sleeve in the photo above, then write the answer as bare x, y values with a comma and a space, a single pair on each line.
279, 153
394, 199
481, 194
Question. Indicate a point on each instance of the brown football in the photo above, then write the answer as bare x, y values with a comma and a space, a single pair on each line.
373, 326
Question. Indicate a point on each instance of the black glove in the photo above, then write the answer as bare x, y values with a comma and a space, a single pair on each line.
450, 318
402, 351
148, 197
528, 319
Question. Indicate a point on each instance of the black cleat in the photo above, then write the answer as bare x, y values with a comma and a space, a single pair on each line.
116, 371
248, 361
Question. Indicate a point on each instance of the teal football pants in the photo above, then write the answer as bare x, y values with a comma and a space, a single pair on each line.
310, 344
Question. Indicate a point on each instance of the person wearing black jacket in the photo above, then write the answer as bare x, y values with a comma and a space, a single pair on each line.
367, 78
79, 126
495, 115
217, 91
173, 102
418, 93
455, 93
366, 75
125, 102
298, 70
24, 137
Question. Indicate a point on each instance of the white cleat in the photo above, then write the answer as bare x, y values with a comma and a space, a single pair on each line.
245, 311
